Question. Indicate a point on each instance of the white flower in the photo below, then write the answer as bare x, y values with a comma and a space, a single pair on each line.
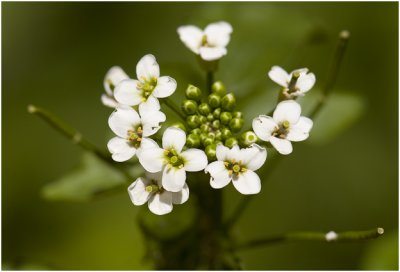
114, 76
305, 81
149, 84
286, 125
172, 160
237, 165
149, 189
132, 130
211, 43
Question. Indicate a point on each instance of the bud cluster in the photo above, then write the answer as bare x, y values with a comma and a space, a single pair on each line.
213, 119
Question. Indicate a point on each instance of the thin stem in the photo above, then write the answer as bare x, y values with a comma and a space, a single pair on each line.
245, 201
346, 236
168, 102
344, 37
74, 135
209, 80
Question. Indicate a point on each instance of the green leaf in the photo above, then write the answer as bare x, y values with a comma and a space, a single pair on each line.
91, 178
340, 112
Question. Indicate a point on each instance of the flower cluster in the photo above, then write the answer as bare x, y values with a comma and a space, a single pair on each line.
210, 139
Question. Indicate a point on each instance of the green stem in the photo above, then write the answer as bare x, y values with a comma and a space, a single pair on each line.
168, 102
74, 135
346, 236
344, 37
209, 81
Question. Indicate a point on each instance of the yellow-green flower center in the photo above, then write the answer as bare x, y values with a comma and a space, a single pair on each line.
234, 168
172, 158
282, 130
135, 136
147, 85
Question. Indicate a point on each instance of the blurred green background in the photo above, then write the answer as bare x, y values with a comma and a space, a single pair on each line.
55, 55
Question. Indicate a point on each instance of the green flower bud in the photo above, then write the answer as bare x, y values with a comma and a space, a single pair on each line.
179, 125
204, 128
207, 141
211, 152
196, 131
248, 138
204, 109
211, 135
218, 135
216, 124
193, 140
217, 142
230, 142
228, 102
193, 121
189, 106
236, 124
225, 117
203, 137
203, 119
217, 113
210, 117
237, 114
192, 92
218, 88
226, 133
214, 100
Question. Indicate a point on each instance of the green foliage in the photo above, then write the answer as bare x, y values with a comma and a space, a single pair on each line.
91, 178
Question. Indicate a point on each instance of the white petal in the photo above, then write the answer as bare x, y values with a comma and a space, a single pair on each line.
120, 149
212, 53
109, 101
283, 146
219, 175
247, 183
151, 122
305, 82
114, 76
165, 87
173, 179
280, 76
148, 143
195, 159
264, 126
161, 204
234, 154
152, 159
174, 138
181, 196
288, 110
147, 68
222, 151
137, 191
218, 34
122, 120
300, 131
254, 157
128, 93
151, 104
191, 36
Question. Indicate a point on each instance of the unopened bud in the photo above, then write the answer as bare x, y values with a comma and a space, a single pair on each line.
192, 92
193, 140
204, 128
193, 121
237, 114
196, 131
179, 125
211, 152
189, 106
228, 102
230, 142
207, 141
203, 119
216, 124
218, 88
236, 124
225, 117
210, 117
217, 113
203, 137
226, 133
248, 138
211, 135
214, 100
204, 109
218, 135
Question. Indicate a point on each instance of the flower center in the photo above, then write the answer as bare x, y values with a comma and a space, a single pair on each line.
282, 130
135, 136
234, 168
147, 85
154, 188
172, 157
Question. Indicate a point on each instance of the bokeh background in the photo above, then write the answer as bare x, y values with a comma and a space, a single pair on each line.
55, 55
